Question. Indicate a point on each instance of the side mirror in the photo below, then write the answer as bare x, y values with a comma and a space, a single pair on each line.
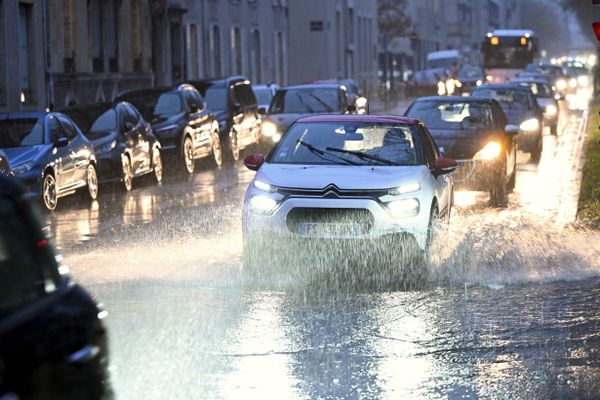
254, 162
445, 165
512, 129
61, 142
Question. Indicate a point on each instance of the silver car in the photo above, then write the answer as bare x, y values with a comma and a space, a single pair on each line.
346, 187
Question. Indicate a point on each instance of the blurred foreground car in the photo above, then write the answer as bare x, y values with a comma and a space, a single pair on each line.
125, 145
5, 168
428, 83
521, 109
53, 344
358, 186
294, 102
186, 129
546, 98
264, 94
474, 132
49, 155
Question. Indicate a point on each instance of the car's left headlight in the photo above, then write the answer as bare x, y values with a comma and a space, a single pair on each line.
263, 204
530, 125
551, 110
479, 82
490, 151
404, 208
407, 188
23, 168
269, 129
106, 147
264, 186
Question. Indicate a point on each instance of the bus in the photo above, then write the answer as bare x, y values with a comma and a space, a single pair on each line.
506, 52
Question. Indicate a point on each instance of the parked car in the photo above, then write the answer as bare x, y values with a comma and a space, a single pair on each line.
546, 98
427, 83
124, 142
469, 77
53, 342
236, 110
521, 108
475, 132
5, 168
354, 92
356, 185
294, 102
264, 94
186, 129
49, 155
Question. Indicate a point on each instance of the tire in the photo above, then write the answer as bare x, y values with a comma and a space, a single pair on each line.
127, 173
91, 177
499, 195
49, 192
157, 166
234, 149
512, 182
187, 155
217, 151
536, 155
554, 130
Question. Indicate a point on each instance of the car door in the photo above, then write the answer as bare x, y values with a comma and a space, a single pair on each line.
60, 156
442, 183
200, 122
78, 150
143, 156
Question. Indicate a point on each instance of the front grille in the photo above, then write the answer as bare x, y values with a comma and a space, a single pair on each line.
332, 191
359, 216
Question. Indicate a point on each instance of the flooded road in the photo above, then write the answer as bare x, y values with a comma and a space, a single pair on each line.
512, 308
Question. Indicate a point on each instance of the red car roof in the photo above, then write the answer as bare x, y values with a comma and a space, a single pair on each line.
360, 118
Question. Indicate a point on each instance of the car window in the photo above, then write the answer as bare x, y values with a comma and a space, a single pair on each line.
21, 132
196, 98
397, 143
21, 279
263, 95
216, 98
452, 115
55, 130
249, 95
133, 116
306, 101
105, 122
429, 149
69, 128
168, 104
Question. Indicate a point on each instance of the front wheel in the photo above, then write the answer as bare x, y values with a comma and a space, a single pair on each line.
188, 155
217, 152
50, 192
127, 174
157, 166
92, 182
498, 194
536, 155
234, 146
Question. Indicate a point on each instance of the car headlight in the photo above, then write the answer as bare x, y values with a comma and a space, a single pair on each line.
450, 86
404, 208
583, 80
106, 147
264, 186
269, 129
441, 88
551, 110
530, 125
490, 151
561, 84
23, 168
572, 83
489, 78
361, 102
479, 82
408, 188
263, 204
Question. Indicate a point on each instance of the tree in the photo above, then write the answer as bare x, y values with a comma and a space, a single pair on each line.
393, 20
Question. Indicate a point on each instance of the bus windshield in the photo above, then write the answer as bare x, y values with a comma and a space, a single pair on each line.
509, 52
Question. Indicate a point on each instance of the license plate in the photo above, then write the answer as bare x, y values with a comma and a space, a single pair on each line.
313, 229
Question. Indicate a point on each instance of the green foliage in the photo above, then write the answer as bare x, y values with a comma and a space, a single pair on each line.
393, 20
589, 201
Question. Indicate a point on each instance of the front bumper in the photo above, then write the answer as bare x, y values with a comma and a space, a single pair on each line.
478, 175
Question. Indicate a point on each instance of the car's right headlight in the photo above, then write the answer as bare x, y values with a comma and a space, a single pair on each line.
106, 147
490, 151
406, 188
530, 125
23, 168
261, 204
551, 110
404, 208
269, 129
264, 186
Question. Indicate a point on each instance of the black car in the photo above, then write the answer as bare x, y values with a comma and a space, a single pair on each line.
546, 98
186, 129
125, 145
236, 109
554, 73
521, 109
353, 92
5, 168
49, 155
475, 132
469, 77
294, 102
53, 343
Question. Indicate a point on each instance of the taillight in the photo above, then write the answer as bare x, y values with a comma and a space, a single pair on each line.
597, 29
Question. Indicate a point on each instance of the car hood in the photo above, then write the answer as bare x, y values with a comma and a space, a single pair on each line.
100, 138
284, 121
20, 155
344, 177
461, 144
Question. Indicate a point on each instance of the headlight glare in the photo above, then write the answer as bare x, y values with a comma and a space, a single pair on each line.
263, 204
404, 208
551, 110
269, 129
264, 186
530, 125
561, 84
441, 88
583, 80
479, 82
490, 151
408, 188
572, 83
106, 147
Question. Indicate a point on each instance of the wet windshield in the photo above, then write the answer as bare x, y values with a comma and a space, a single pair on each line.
105, 122
506, 97
216, 98
470, 73
453, 116
168, 104
306, 101
21, 132
398, 144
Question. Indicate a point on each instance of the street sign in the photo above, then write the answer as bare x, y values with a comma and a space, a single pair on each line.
414, 36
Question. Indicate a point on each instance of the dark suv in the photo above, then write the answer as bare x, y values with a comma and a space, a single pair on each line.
186, 129
236, 109
53, 344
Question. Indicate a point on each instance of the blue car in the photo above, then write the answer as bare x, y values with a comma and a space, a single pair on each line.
5, 168
49, 155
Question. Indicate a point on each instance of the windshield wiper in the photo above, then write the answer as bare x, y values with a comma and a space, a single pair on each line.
323, 154
310, 110
323, 103
363, 156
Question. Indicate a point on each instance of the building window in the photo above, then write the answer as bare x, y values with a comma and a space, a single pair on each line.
255, 56
279, 58
236, 48
69, 48
193, 51
26, 54
350, 26
2, 58
176, 51
136, 37
112, 34
95, 11
215, 49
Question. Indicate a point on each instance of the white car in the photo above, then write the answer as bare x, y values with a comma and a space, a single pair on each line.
336, 185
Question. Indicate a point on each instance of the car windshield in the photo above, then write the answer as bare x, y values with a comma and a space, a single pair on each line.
306, 101
168, 104
105, 122
538, 89
216, 98
470, 73
21, 132
452, 115
575, 71
263, 95
543, 69
396, 143
508, 98
144, 101
20, 273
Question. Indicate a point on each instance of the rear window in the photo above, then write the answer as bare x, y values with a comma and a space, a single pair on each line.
452, 116
306, 101
507, 98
